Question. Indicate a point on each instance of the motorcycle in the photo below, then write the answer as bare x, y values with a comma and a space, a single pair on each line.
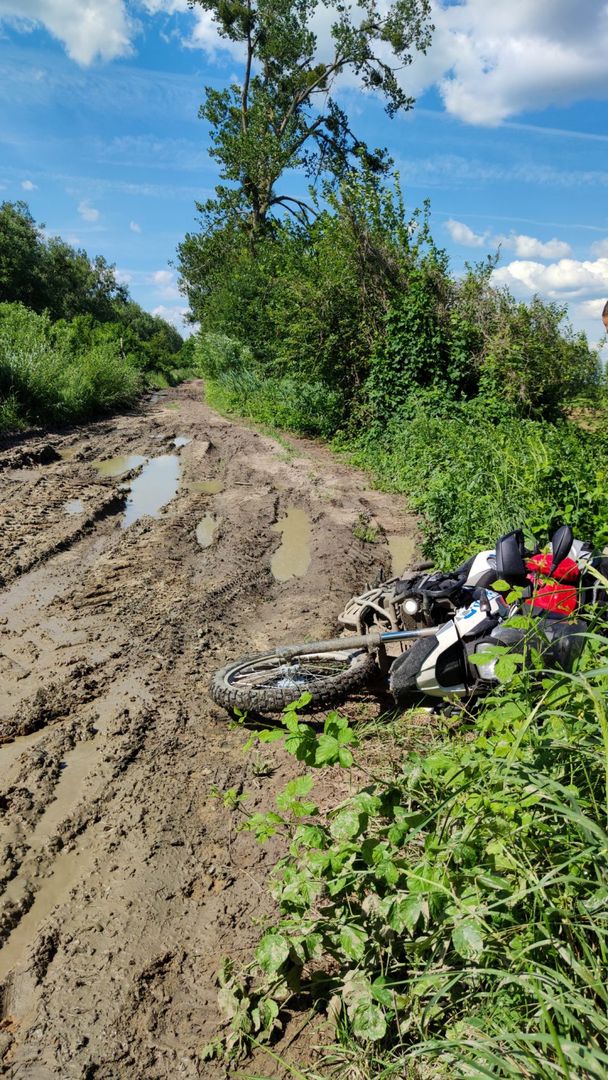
420, 630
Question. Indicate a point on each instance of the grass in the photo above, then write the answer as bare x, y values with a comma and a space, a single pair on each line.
452, 915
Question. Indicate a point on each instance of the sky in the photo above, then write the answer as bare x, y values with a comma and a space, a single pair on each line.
99, 134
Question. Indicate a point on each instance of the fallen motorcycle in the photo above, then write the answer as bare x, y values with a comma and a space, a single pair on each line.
420, 630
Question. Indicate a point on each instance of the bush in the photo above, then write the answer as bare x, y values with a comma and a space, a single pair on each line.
473, 479
457, 911
55, 373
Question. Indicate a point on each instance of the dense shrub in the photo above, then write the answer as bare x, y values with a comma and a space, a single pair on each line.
44, 377
456, 910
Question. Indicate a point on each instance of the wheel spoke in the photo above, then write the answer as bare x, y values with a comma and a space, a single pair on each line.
272, 671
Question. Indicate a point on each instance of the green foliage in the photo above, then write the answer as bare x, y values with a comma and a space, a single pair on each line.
44, 377
456, 912
234, 387
72, 342
473, 478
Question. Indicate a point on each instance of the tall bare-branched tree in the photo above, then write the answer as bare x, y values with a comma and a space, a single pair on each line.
283, 114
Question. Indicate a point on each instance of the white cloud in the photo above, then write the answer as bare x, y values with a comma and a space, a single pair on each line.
527, 247
562, 280
600, 248
134, 227
87, 212
499, 60
462, 234
88, 28
27, 185
166, 284
177, 317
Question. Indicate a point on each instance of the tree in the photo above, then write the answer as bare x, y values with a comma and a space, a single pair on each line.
282, 115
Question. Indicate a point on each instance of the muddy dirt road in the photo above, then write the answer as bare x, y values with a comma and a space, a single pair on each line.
137, 555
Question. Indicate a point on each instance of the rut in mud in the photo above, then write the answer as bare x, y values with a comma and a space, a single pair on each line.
138, 555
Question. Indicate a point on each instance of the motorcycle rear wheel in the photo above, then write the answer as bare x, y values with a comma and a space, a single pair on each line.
266, 683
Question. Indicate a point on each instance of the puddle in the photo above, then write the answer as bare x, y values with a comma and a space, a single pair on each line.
53, 892
77, 765
205, 530
402, 549
181, 440
292, 558
155, 486
69, 453
73, 506
206, 487
10, 752
116, 466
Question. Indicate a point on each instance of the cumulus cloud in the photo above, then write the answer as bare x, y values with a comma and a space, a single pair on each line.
88, 28
177, 317
564, 279
27, 185
134, 227
527, 247
166, 284
462, 234
600, 248
87, 212
499, 60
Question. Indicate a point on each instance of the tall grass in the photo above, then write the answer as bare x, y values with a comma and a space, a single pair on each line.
44, 376
473, 479
453, 917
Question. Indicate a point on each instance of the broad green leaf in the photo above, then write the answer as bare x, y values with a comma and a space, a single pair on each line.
353, 940
272, 952
467, 939
346, 824
369, 1022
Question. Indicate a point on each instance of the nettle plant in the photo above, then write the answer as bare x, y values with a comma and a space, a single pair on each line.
459, 909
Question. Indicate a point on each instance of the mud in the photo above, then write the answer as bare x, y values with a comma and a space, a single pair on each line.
124, 880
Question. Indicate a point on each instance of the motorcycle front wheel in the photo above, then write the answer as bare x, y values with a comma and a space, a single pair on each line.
266, 683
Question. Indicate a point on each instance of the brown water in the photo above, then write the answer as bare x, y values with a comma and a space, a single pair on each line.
155, 486
54, 891
10, 752
402, 550
116, 466
74, 506
69, 453
292, 558
206, 487
205, 530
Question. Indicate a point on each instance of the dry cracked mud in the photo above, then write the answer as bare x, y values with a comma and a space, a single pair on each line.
124, 881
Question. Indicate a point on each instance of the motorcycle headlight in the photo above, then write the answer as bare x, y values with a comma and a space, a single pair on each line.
487, 671
412, 607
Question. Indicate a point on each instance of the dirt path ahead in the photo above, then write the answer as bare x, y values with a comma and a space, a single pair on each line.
123, 880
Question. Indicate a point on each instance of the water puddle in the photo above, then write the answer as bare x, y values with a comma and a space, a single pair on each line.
78, 763
155, 486
205, 530
206, 487
73, 506
10, 752
402, 549
181, 440
292, 558
69, 453
116, 466
54, 891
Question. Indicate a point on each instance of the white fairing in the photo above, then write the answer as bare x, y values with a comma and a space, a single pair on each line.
484, 562
464, 625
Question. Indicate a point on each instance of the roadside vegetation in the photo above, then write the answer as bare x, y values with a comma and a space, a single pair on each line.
73, 344
451, 918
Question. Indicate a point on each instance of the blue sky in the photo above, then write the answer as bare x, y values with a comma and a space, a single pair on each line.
509, 139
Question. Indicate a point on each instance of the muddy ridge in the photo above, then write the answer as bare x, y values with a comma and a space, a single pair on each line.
124, 584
